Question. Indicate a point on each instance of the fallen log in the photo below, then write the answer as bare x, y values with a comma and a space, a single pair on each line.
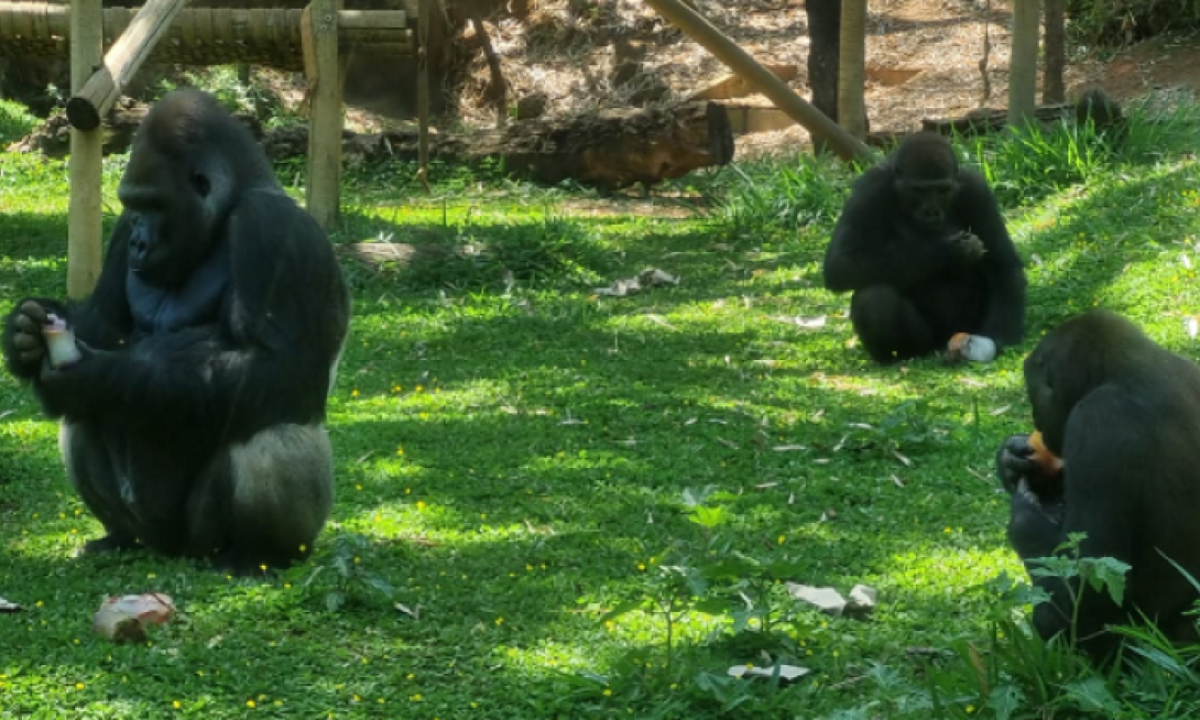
989, 120
609, 148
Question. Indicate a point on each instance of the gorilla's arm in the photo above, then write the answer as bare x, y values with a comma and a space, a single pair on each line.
101, 321
1104, 443
874, 243
977, 209
268, 361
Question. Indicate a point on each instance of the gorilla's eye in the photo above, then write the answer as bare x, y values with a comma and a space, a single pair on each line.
202, 184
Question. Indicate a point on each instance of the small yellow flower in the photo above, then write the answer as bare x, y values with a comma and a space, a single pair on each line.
79, 686
607, 692
251, 704
399, 452
176, 704
354, 393
415, 697
420, 504
499, 621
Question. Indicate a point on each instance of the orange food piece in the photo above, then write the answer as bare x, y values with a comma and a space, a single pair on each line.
958, 343
1050, 463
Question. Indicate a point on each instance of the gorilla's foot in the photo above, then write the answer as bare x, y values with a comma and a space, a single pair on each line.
107, 544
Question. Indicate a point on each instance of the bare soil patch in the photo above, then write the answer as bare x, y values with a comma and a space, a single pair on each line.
923, 60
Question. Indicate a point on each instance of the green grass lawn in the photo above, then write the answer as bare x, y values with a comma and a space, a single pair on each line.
555, 504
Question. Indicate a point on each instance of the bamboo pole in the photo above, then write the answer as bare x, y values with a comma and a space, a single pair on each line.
90, 103
697, 28
325, 113
83, 214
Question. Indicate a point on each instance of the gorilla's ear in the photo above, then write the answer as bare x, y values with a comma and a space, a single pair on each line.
215, 185
202, 184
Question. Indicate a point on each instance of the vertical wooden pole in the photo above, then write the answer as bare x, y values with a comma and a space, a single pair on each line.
325, 115
1053, 88
84, 239
423, 93
852, 78
1022, 77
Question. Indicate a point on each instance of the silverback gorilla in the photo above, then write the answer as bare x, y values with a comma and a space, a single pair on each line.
193, 423
1123, 414
922, 244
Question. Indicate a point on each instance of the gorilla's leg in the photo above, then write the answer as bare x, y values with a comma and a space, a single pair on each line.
889, 325
263, 502
98, 483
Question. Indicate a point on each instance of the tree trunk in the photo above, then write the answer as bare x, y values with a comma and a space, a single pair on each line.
824, 41
852, 68
1022, 81
1053, 86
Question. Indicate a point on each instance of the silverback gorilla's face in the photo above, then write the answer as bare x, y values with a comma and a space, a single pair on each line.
174, 198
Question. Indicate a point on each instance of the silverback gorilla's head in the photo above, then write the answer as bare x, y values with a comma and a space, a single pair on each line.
925, 177
182, 182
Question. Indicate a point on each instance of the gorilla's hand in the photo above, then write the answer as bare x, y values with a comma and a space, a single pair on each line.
24, 346
1014, 462
1034, 528
968, 246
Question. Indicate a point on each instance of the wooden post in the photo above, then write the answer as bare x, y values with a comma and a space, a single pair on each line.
89, 103
852, 78
1022, 77
697, 28
83, 220
325, 113
1055, 52
423, 93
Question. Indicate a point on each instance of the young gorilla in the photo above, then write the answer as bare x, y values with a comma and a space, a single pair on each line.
194, 422
1123, 414
922, 244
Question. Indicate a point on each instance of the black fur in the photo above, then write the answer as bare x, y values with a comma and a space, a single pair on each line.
1124, 416
923, 245
194, 423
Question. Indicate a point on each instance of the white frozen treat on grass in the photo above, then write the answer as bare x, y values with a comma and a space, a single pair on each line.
60, 341
976, 348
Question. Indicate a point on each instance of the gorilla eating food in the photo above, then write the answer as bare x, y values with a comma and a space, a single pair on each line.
923, 246
1123, 414
193, 423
